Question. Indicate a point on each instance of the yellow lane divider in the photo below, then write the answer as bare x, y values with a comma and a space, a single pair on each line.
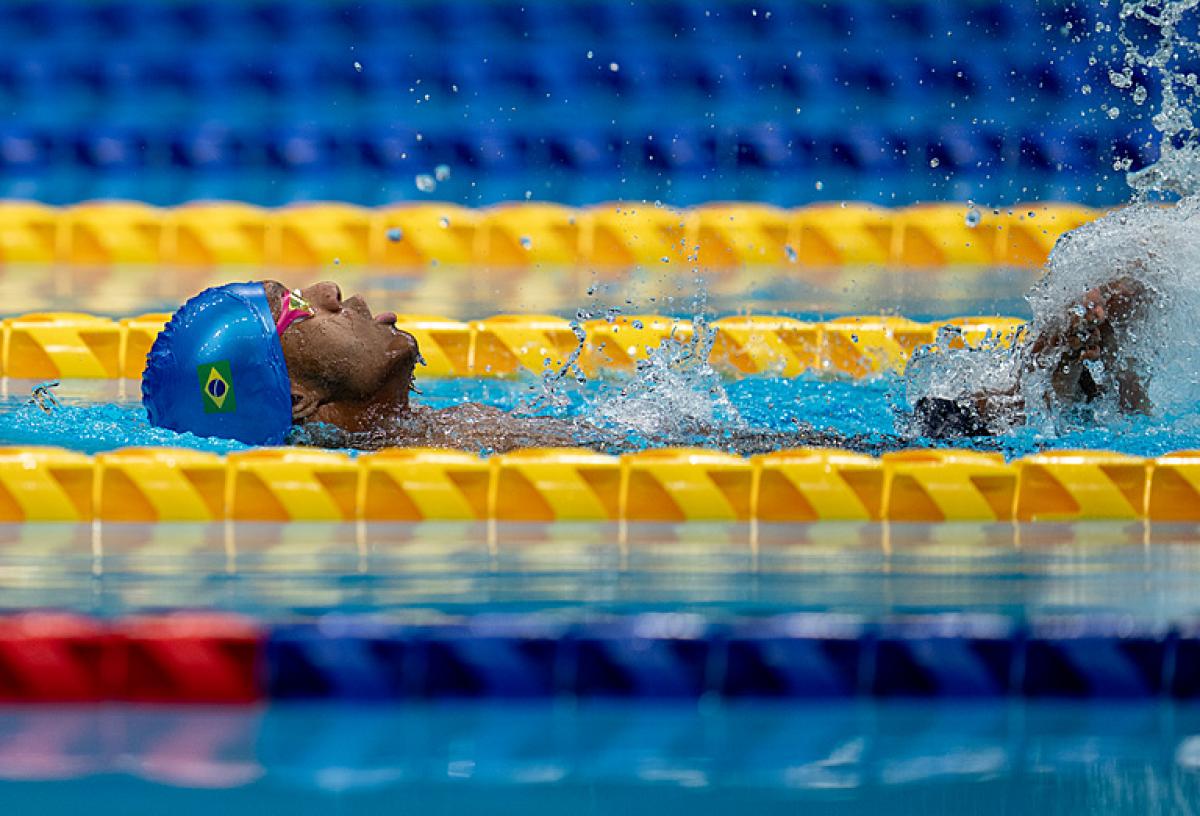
68, 344
667, 485
530, 234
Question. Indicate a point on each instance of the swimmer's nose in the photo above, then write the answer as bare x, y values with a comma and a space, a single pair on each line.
325, 295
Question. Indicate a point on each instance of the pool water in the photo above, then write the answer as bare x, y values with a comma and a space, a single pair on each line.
98, 416
863, 757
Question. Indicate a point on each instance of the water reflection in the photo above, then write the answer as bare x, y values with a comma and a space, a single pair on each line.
891, 757
1149, 571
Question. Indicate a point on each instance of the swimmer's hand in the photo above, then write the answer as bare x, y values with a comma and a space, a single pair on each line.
1088, 332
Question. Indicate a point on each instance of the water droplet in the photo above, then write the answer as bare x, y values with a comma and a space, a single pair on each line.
426, 183
637, 324
614, 67
589, 54
444, 222
820, 185
1114, 112
441, 172
337, 261
665, 259
973, 218
934, 162
526, 242
791, 253
358, 66
395, 234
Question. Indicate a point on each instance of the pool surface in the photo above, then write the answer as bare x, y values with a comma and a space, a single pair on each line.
869, 758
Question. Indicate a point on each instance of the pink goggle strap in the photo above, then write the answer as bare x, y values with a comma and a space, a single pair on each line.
289, 314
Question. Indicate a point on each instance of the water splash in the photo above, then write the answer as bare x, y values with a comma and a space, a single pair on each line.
1159, 39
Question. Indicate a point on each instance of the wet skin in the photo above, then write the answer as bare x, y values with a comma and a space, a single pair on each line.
352, 373
1088, 332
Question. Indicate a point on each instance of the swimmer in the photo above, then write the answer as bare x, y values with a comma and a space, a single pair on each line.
1060, 361
254, 361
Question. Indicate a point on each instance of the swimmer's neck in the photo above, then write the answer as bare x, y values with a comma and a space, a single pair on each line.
364, 416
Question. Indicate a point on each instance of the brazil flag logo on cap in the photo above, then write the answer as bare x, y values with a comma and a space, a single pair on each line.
216, 384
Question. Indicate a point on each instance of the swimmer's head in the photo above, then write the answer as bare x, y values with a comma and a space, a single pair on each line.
217, 369
939, 418
246, 361
343, 360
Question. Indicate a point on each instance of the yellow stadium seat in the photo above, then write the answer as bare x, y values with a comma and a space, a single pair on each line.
978, 331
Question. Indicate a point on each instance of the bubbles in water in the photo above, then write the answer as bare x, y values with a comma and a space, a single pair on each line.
425, 183
973, 218
442, 172
395, 234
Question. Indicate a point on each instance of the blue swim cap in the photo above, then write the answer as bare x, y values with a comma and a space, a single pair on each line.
217, 369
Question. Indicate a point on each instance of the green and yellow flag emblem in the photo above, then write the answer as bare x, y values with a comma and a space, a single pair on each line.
216, 386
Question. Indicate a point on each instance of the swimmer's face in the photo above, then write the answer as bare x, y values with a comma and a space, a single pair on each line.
343, 352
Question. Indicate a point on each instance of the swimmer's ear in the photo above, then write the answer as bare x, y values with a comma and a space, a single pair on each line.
305, 402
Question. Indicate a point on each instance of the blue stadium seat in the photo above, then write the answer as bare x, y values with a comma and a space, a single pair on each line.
111, 150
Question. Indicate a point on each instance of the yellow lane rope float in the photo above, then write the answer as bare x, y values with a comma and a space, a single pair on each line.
664, 485
718, 236
51, 345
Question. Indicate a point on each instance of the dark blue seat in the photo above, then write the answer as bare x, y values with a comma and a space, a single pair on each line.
965, 149
297, 149
678, 150
867, 150
23, 150
767, 147
391, 149
206, 149
111, 150
581, 151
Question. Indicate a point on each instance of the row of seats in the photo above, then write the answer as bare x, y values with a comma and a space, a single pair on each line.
439, 20
715, 236
564, 71
276, 187
669, 485
81, 346
791, 148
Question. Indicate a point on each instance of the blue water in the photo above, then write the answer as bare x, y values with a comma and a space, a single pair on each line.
862, 757
97, 416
